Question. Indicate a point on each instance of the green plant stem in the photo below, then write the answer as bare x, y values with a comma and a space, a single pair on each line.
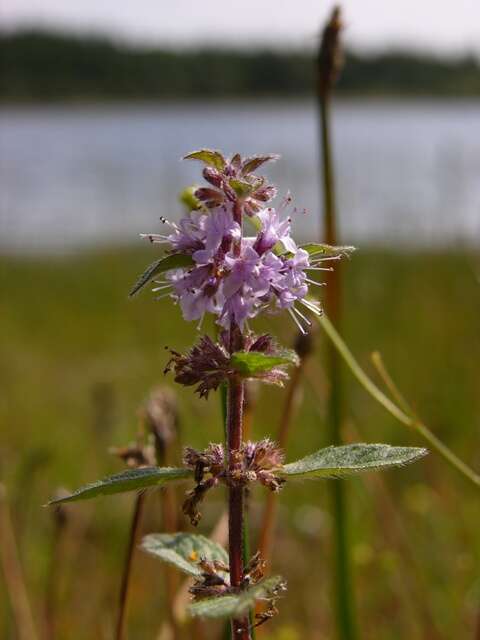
344, 598
403, 417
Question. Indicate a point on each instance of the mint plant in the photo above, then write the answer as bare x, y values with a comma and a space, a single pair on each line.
211, 266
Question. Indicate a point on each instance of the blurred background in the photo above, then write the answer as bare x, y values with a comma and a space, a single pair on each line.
98, 103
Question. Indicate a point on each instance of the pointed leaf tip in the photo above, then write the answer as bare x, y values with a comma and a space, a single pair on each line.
253, 163
252, 363
209, 157
334, 462
317, 248
167, 263
130, 480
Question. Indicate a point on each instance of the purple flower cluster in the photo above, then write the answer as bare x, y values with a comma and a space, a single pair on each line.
235, 276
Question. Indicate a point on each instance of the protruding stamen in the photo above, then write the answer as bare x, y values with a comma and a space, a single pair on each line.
319, 284
156, 238
165, 295
164, 286
318, 268
304, 318
296, 321
311, 307
325, 258
164, 220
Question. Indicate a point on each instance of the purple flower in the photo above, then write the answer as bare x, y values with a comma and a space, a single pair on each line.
232, 276
292, 285
189, 235
273, 231
220, 230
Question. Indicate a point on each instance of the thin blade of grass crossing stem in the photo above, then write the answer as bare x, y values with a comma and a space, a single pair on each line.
378, 395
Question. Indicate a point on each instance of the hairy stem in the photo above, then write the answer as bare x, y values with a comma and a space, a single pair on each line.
236, 498
120, 632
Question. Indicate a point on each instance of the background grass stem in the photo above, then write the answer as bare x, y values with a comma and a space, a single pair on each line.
328, 67
13, 574
408, 420
135, 529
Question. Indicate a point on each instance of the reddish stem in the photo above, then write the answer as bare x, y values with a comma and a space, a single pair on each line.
240, 627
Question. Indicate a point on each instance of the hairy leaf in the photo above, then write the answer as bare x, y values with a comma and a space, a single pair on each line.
209, 157
314, 248
254, 162
352, 458
184, 550
174, 261
236, 605
252, 363
129, 480
242, 188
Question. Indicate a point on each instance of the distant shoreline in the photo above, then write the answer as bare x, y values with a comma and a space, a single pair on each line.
140, 103
49, 67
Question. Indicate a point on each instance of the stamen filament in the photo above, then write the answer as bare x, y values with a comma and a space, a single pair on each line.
296, 321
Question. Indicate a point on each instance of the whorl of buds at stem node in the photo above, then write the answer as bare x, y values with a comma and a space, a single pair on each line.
209, 364
214, 582
253, 462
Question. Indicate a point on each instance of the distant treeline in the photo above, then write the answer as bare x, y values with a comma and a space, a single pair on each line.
41, 66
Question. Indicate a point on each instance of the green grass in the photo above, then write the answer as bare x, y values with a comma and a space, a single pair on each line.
77, 358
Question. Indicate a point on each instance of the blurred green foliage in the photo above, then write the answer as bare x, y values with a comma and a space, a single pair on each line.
77, 359
44, 66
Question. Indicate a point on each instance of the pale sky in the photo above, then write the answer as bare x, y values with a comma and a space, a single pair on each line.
445, 26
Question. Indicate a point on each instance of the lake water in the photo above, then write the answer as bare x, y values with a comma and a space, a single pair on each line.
407, 172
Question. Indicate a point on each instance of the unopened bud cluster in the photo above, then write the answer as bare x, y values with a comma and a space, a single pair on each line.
253, 462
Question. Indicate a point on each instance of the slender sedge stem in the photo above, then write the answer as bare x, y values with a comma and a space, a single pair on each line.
408, 420
327, 70
236, 497
120, 632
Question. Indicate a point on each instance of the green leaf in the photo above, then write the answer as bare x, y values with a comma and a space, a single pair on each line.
184, 550
315, 248
242, 188
236, 605
252, 363
209, 157
254, 162
174, 261
335, 462
129, 480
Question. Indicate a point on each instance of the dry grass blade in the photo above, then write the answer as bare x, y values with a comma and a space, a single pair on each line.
13, 573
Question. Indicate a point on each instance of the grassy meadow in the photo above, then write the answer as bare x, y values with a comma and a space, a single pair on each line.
77, 359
